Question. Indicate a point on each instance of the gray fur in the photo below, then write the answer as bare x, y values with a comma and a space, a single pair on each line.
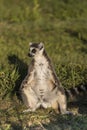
41, 86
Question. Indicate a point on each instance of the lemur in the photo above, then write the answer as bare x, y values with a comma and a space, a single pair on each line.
41, 86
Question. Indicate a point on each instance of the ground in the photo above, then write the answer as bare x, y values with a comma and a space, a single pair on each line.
62, 26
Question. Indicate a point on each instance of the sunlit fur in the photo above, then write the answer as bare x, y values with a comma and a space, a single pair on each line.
41, 86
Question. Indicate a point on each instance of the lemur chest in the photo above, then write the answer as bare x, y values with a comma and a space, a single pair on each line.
42, 76
41, 73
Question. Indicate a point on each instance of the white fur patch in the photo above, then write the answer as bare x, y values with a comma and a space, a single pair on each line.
41, 69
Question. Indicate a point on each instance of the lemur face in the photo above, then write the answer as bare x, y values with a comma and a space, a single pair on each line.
35, 49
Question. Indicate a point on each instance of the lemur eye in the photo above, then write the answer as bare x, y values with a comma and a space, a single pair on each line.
33, 51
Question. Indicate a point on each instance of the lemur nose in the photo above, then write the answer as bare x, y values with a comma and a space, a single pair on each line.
29, 54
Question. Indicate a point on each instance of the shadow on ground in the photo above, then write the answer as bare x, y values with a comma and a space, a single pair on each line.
81, 104
21, 68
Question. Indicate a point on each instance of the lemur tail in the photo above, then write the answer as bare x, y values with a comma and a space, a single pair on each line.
75, 91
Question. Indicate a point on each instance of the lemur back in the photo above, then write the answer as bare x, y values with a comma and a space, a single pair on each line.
41, 86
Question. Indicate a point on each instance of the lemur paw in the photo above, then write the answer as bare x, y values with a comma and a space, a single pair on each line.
28, 110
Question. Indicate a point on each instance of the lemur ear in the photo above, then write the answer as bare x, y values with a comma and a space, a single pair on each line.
41, 45
30, 43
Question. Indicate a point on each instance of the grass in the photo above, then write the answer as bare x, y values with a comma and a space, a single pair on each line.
62, 26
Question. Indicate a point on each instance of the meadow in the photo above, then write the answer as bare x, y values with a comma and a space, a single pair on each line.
62, 27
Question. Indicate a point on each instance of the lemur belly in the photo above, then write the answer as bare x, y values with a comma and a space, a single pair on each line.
42, 80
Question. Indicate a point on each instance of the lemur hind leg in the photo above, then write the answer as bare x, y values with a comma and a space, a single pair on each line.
55, 106
30, 99
62, 103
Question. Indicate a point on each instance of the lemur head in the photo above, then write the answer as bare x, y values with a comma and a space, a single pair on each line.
36, 49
